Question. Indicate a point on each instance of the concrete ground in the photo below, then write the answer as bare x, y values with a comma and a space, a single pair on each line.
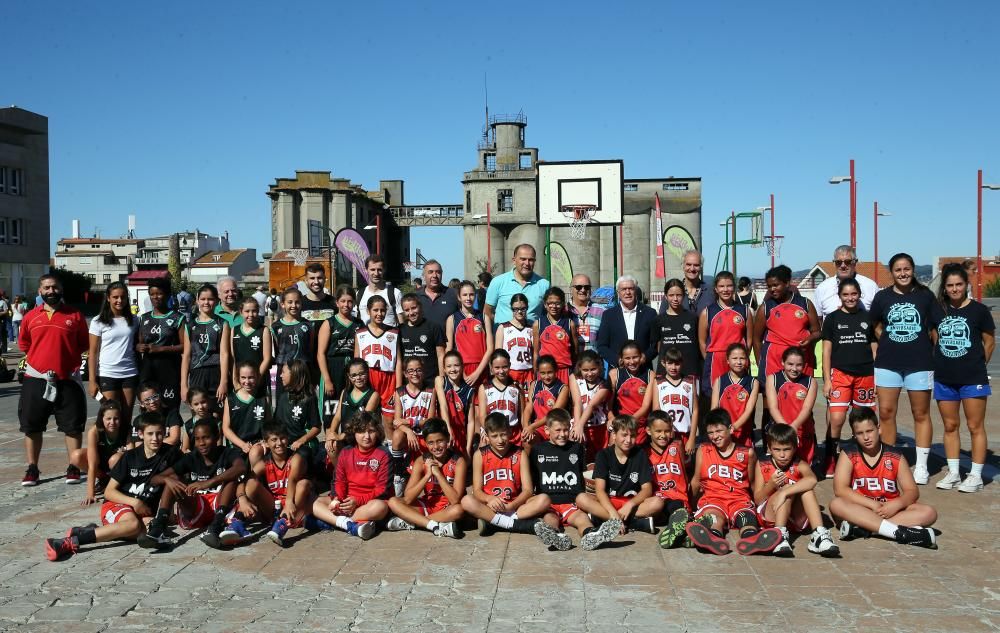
404, 581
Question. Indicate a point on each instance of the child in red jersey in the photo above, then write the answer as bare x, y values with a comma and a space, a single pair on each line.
790, 398
629, 385
362, 483
516, 337
737, 391
470, 334
501, 395
623, 481
555, 334
557, 469
784, 490
723, 477
670, 480
433, 497
784, 319
677, 397
590, 396
278, 489
414, 403
201, 486
106, 441
455, 405
502, 485
379, 347
720, 325
547, 393
875, 491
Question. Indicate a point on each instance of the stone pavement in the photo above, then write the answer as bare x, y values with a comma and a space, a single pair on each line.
405, 581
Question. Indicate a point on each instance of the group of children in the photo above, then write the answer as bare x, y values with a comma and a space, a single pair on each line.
534, 434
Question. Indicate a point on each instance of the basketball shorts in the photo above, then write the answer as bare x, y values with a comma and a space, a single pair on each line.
106, 383
847, 389
112, 512
595, 438
384, 382
432, 505
522, 377
797, 521
564, 511
200, 514
727, 506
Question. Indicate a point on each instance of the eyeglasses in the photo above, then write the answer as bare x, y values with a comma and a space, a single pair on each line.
844, 262
361, 375
582, 287
151, 399
414, 370
519, 309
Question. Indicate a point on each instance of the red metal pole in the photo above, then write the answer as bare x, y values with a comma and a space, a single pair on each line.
876, 242
733, 217
489, 242
854, 208
772, 230
979, 237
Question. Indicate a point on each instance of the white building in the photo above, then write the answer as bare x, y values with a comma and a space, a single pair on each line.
193, 244
103, 260
215, 264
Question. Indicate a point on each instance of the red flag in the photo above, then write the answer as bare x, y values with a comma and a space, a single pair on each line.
660, 272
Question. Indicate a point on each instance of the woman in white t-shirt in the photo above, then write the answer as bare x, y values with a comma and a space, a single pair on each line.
111, 363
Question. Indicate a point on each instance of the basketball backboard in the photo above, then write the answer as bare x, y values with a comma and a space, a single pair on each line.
317, 238
563, 186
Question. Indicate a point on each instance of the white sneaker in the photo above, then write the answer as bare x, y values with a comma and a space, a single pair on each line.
399, 485
552, 538
784, 548
822, 543
446, 529
396, 524
972, 483
921, 476
950, 480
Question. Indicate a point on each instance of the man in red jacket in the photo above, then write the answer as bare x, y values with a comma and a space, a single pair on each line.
53, 336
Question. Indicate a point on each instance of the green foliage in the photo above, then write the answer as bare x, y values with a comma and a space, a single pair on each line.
74, 285
992, 289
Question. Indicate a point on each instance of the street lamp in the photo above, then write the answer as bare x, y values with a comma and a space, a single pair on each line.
836, 180
877, 214
979, 234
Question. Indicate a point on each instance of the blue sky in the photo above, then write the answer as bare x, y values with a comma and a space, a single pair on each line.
184, 114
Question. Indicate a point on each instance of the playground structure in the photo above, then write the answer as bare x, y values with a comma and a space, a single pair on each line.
730, 241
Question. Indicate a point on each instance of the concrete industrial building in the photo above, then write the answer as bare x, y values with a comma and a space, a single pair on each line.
24, 199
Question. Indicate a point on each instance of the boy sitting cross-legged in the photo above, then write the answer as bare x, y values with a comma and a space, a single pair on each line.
130, 495
203, 484
623, 481
557, 469
501, 483
723, 476
670, 480
784, 489
433, 496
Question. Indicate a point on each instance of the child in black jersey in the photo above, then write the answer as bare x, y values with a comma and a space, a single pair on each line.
251, 342
298, 411
293, 337
245, 415
158, 341
106, 441
205, 361
151, 400
200, 402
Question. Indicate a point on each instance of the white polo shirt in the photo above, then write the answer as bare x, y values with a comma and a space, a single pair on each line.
827, 301
629, 317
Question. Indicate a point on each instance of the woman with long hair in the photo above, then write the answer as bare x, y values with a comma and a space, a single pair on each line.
112, 368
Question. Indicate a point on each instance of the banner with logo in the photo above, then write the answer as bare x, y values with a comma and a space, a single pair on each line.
353, 247
660, 268
562, 267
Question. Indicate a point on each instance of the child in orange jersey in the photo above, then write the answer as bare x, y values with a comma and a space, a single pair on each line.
470, 334
670, 480
555, 333
547, 393
630, 385
737, 391
790, 398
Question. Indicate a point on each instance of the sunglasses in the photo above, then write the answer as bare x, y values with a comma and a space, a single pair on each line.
582, 287
844, 262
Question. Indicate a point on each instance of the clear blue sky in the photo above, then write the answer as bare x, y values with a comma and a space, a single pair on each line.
184, 112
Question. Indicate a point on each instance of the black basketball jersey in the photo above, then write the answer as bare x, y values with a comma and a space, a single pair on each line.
248, 346
247, 417
162, 331
558, 470
341, 338
292, 341
351, 407
206, 340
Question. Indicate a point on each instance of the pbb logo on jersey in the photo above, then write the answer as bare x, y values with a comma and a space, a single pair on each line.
801, 394
560, 335
888, 464
550, 402
642, 391
686, 387
740, 457
390, 337
835, 393
477, 328
373, 464
672, 451
737, 320
741, 396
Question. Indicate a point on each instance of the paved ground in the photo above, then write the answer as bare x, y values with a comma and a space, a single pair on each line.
400, 581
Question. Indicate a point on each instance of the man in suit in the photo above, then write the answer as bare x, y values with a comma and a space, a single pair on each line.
627, 320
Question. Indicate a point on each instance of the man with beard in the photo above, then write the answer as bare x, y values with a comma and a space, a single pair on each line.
53, 336
317, 303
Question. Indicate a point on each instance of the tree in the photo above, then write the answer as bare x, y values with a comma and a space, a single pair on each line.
481, 266
74, 285
174, 263
992, 288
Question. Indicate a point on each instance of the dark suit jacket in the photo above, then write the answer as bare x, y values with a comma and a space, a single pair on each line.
612, 334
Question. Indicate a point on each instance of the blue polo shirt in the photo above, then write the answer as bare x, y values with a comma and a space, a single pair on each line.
505, 286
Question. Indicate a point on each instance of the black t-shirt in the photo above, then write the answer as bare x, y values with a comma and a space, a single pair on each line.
959, 356
134, 470
248, 417
421, 341
170, 418
438, 310
851, 336
192, 467
623, 480
319, 310
298, 416
680, 331
161, 331
905, 344
558, 470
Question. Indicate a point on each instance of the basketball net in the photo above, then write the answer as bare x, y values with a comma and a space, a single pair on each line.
773, 244
407, 266
299, 255
579, 216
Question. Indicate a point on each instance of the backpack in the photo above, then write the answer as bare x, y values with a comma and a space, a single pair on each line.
272, 304
389, 294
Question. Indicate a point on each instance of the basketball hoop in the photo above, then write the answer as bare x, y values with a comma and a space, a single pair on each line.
579, 216
773, 244
299, 255
407, 266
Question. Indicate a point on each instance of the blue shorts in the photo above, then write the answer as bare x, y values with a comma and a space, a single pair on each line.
954, 393
912, 380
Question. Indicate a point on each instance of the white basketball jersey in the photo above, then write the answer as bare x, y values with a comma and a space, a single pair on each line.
506, 401
416, 408
518, 343
677, 401
378, 351
600, 414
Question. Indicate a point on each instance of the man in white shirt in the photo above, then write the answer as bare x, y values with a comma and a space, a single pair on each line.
845, 260
629, 320
377, 285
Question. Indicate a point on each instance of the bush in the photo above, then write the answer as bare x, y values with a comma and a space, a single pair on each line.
992, 289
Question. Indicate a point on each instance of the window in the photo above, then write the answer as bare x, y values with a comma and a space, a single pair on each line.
525, 161
631, 186
675, 186
216, 258
15, 231
3, 179
491, 162
107, 278
3, 230
505, 201
16, 185
95, 246
468, 202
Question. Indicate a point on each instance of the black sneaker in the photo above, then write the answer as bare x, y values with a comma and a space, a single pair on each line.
75, 531
849, 532
919, 536
73, 475
486, 528
31, 476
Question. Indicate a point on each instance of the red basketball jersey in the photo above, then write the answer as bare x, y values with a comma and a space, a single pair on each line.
791, 396
668, 472
787, 323
432, 489
631, 391
544, 398
879, 481
276, 478
502, 474
470, 337
725, 476
768, 468
554, 340
726, 326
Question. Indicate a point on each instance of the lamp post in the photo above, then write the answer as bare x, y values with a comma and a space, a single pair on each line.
836, 180
877, 213
979, 233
